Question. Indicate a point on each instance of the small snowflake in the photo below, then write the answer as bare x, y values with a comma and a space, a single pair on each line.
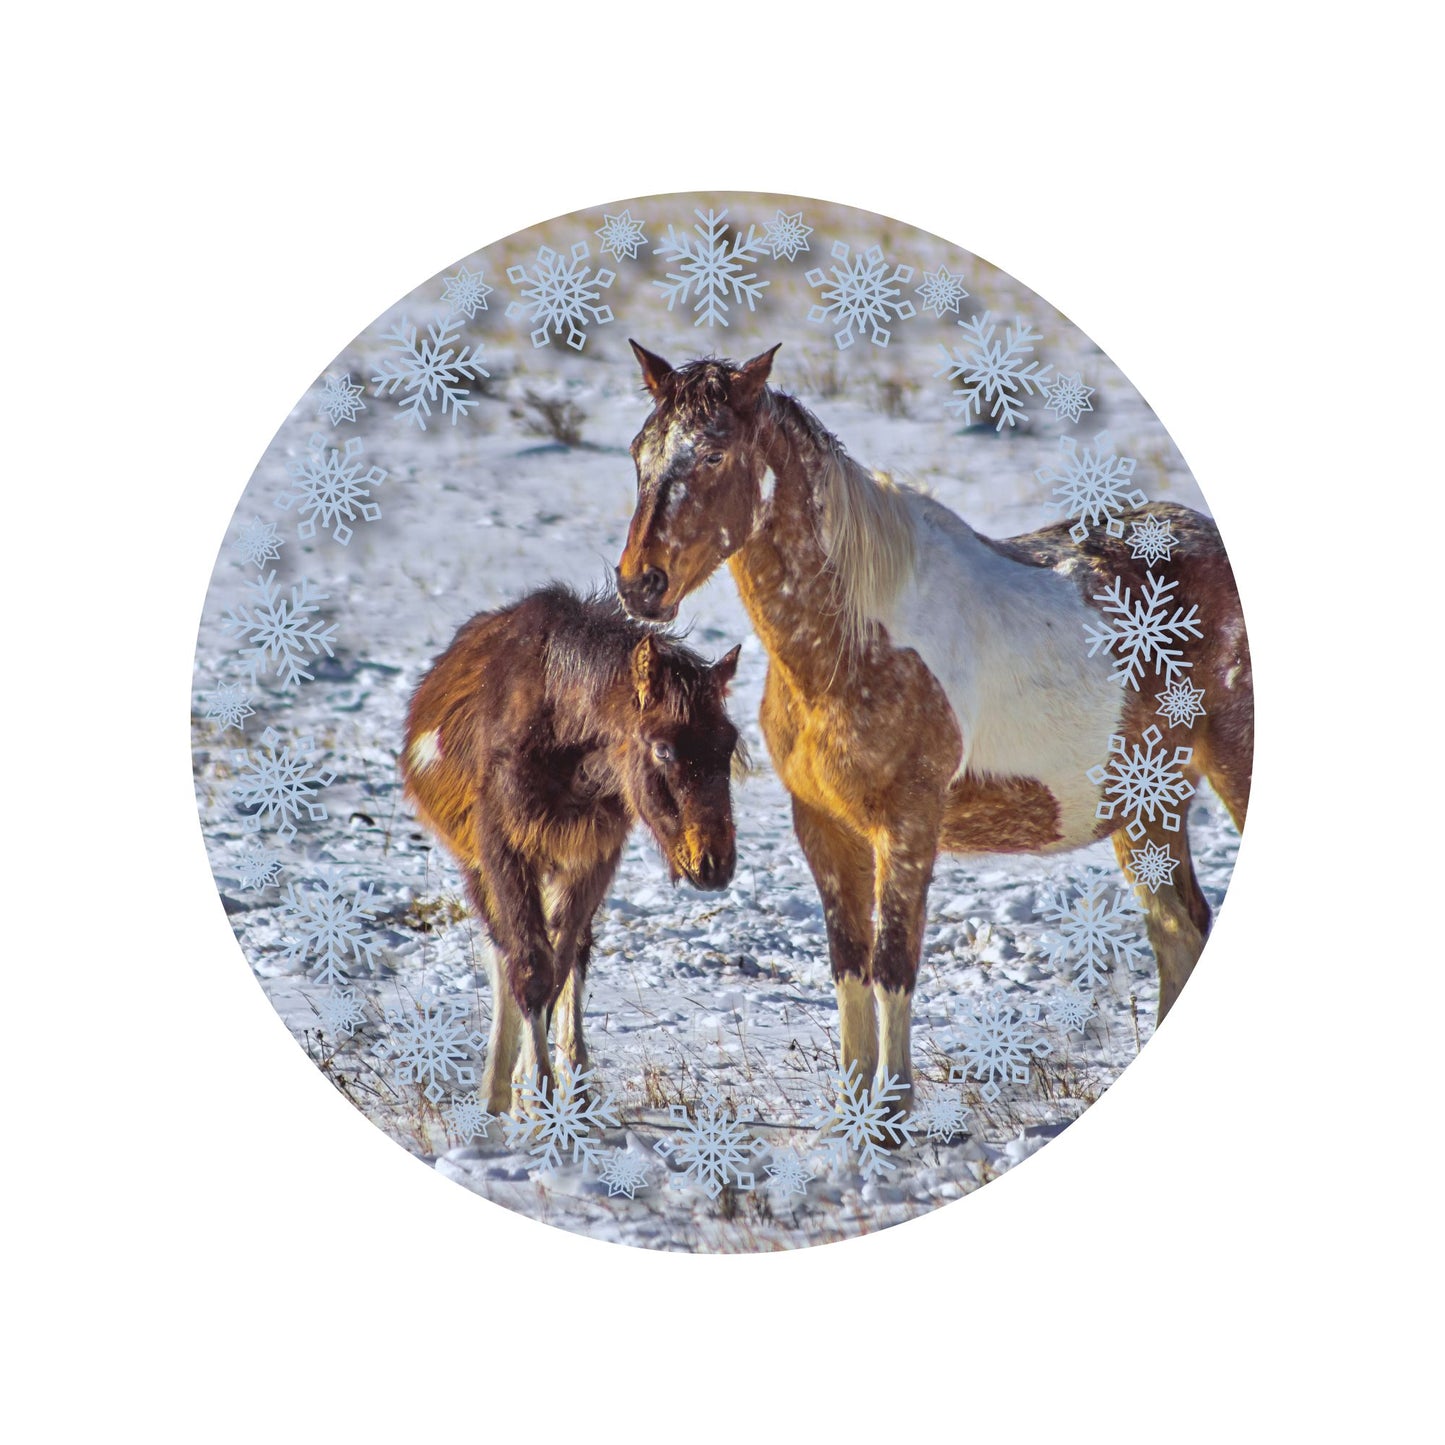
999, 1043
620, 236
785, 235
710, 266
623, 1173
340, 1012
1142, 632
712, 1148
229, 706
994, 373
1181, 703
467, 1119
1151, 541
331, 489
943, 1115
430, 1042
326, 921
1069, 1009
1092, 927
941, 291
788, 1171
861, 1118
433, 370
257, 866
1069, 397
278, 783
340, 401
1093, 486
862, 296
1142, 783
281, 633
1152, 865
563, 295
258, 543
559, 1119
466, 293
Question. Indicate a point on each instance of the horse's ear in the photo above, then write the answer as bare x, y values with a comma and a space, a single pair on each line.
750, 378
724, 668
646, 672
654, 369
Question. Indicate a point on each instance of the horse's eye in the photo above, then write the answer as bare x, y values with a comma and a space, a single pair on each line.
713, 459
663, 753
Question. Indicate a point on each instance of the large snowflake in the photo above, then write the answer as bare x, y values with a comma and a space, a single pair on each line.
788, 1171
785, 235
1181, 703
1069, 1009
1069, 397
563, 295
466, 293
1093, 486
467, 1119
229, 706
281, 632
623, 1173
863, 295
861, 1117
327, 920
1152, 865
999, 1042
257, 866
941, 291
1151, 540
340, 401
258, 542
1093, 924
942, 1115
1143, 632
1143, 783
278, 783
559, 1119
995, 374
429, 371
340, 1012
331, 489
713, 1148
620, 236
429, 1042
710, 266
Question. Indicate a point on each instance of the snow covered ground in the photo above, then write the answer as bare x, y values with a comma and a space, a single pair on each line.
690, 993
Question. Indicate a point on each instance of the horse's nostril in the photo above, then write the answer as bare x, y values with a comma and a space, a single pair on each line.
653, 583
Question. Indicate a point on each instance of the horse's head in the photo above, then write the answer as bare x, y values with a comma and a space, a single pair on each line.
677, 764
699, 479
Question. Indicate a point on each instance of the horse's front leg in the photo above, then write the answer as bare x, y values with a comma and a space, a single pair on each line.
574, 901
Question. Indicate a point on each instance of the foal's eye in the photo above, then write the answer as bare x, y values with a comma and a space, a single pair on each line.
713, 459
663, 753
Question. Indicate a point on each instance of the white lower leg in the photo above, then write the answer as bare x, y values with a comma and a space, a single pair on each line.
568, 1017
534, 1062
857, 1027
895, 1054
503, 1041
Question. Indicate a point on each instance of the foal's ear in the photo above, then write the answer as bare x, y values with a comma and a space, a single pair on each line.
654, 369
724, 668
750, 378
647, 672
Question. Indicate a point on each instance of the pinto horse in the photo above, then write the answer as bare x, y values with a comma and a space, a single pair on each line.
929, 689
534, 743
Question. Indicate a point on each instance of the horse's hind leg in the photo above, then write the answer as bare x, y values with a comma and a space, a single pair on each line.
505, 1037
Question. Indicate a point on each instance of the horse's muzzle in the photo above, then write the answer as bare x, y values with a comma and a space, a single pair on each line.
641, 597
712, 873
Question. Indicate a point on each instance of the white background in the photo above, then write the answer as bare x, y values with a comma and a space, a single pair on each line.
205, 1241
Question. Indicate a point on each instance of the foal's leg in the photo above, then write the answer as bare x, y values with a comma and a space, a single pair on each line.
505, 1036
576, 899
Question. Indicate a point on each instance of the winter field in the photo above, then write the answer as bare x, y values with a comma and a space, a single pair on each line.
719, 1005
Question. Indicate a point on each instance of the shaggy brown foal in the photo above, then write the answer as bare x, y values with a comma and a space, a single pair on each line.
534, 743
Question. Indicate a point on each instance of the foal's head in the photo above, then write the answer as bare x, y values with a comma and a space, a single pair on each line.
700, 476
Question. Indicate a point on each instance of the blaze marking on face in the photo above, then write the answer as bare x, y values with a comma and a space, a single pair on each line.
426, 749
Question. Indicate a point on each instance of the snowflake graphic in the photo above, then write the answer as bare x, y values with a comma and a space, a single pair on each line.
786, 235
1069, 1009
432, 370
331, 489
1151, 541
430, 1042
326, 920
467, 1119
998, 1043
941, 291
994, 373
623, 1173
1069, 397
788, 1172
942, 1116
257, 866
559, 1120
281, 633
340, 1012
278, 783
620, 236
1142, 632
1093, 486
466, 293
712, 1149
563, 295
1152, 865
340, 401
229, 706
258, 542
862, 295
1093, 924
859, 1117
1181, 703
1142, 783
710, 266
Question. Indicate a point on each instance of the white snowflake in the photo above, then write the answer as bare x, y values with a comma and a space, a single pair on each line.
466, 293
229, 706
1093, 924
278, 783
258, 542
1069, 397
430, 1042
1151, 541
326, 921
1152, 865
432, 370
467, 1119
994, 373
785, 235
941, 291
331, 489
713, 1149
942, 1115
1093, 486
257, 866
620, 236
559, 1120
623, 1173
1143, 783
862, 296
563, 295
788, 1171
340, 401
1142, 632
1181, 703
340, 1012
710, 267
281, 632
1069, 1009
860, 1117
999, 1043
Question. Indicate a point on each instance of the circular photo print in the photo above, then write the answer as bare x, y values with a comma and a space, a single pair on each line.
721, 722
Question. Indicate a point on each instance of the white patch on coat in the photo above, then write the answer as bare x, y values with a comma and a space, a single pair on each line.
426, 749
